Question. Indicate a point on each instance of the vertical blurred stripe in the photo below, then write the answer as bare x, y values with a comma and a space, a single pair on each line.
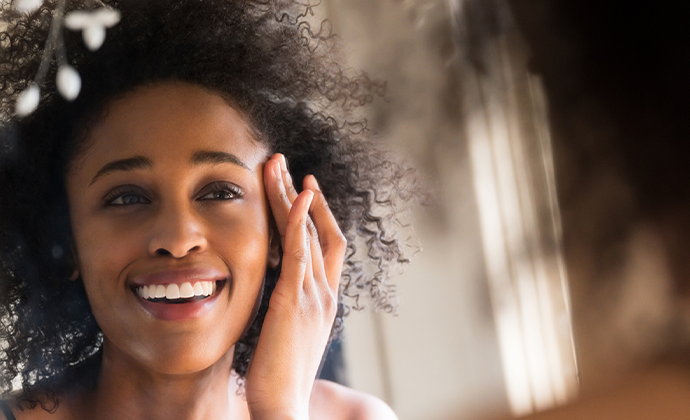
512, 165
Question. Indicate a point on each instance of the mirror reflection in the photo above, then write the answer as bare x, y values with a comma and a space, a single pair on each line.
441, 209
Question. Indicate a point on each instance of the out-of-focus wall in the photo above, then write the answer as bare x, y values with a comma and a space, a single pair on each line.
616, 78
439, 358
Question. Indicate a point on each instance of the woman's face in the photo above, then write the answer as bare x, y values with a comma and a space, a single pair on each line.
168, 198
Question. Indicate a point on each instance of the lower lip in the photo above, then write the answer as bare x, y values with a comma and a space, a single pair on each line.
181, 311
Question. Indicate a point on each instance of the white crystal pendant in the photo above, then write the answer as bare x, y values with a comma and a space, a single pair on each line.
27, 6
92, 24
94, 36
107, 16
27, 101
68, 82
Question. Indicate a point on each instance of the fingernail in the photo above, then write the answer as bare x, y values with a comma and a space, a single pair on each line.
318, 187
310, 196
283, 163
276, 172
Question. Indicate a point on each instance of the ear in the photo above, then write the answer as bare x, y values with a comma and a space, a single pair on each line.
75, 260
273, 258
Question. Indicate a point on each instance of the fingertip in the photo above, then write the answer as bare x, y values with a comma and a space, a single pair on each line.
272, 166
311, 183
283, 162
302, 204
276, 172
309, 197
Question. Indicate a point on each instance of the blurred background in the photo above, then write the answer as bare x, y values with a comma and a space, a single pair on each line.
538, 276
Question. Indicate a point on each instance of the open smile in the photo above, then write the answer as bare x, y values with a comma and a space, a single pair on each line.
177, 302
176, 293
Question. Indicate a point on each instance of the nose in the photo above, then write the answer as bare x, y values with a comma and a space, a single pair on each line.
177, 231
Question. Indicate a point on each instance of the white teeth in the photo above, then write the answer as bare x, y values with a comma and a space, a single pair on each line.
186, 290
198, 289
174, 291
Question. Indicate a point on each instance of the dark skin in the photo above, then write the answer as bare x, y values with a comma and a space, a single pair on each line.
174, 188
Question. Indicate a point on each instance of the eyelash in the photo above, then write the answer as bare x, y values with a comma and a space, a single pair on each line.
229, 190
220, 187
124, 191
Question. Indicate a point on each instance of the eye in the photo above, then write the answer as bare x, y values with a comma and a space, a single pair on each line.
127, 195
220, 190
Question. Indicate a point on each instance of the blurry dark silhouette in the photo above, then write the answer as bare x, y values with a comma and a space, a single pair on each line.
617, 77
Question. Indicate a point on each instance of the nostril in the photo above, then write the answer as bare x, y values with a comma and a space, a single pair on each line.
163, 252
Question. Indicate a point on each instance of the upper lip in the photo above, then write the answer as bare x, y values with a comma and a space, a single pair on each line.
179, 275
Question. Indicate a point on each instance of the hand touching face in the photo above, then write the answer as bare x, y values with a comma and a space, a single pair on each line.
305, 300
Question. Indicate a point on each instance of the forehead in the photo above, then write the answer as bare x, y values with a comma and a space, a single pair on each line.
170, 120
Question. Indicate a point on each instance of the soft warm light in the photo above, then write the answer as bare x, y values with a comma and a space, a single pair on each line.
513, 182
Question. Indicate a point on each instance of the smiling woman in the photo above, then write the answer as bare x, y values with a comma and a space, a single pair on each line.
154, 240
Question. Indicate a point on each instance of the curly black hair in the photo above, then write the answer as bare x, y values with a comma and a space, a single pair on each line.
264, 57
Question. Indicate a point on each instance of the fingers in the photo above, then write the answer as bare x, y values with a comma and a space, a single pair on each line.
333, 243
297, 254
287, 179
278, 197
326, 244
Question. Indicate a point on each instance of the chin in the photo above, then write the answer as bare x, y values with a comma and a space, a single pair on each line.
181, 354
184, 361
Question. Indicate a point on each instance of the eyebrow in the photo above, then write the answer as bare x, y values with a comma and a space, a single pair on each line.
200, 157
206, 156
129, 164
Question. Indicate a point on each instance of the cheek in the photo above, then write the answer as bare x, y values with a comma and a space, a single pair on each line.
102, 253
241, 234
243, 245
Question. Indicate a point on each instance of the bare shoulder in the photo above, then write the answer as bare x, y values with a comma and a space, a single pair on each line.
334, 401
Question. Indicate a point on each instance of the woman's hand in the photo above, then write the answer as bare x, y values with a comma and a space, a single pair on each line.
304, 302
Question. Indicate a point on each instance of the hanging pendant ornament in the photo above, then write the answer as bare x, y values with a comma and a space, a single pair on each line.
27, 101
92, 24
94, 36
27, 6
68, 82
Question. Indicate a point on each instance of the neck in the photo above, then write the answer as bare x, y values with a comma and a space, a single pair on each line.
126, 389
